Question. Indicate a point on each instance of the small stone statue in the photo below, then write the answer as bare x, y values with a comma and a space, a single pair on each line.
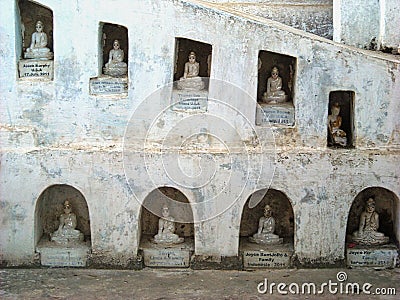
115, 65
367, 233
66, 232
191, 80
266, 227
38, 49
337, 136
166, 229
274, 93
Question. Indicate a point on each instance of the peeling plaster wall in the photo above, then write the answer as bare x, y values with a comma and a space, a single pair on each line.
56, 133
313, 16
390, 20
357, 22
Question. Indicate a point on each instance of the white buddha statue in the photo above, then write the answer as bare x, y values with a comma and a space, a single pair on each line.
337, 136
266, 227
166, 229
66, 232
274, 93
367, 233
115, 65
38, 49
191, 80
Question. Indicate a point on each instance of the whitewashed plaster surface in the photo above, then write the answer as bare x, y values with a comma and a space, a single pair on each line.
357, 22
56, 133
314, 16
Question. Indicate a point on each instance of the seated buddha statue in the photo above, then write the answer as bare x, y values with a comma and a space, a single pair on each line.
367, 233
166, 229
66, 232
38, 49
266, 227
115, 65
191, 80
274, 93
337, 135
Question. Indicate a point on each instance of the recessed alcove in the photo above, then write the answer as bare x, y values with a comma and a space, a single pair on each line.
113, 47
30, 13
275, 88
34, 41
192, 67
203, 51
108, 34
166, 255
342, 101
66, 250
362, 252
49, 207
263, 255
386, 205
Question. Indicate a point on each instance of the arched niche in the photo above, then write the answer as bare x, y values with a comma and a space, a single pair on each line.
151, 212
386, 205
282, 212
49, 207
31, 12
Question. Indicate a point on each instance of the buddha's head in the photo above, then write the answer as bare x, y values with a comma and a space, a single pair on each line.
267, 211
39, 26
165, 211
192, 57
370, 205
67, 207
274, 72
116, 44
335, 109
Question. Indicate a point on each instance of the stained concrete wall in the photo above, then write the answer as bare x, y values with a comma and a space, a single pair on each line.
57, 133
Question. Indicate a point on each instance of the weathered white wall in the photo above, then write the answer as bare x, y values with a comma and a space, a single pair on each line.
314, 16
390, 22
357, 22
56, 133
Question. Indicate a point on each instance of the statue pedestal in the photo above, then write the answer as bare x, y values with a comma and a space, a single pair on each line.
282, 114
167, 256
40, 69
54, 255
195, 101
257, 256
382, 257
107, 85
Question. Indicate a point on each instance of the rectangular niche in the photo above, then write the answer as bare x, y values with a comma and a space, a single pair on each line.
191, 75
341, 119
35, 41
275, 88
113, 61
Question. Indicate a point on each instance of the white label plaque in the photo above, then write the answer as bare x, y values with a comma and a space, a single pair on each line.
108, 86
168, 257
39, 69
63, 257
276, 114
266, 259
189, 100
385, 258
